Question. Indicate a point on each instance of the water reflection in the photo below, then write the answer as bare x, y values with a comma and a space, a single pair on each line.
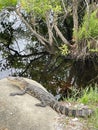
22, 55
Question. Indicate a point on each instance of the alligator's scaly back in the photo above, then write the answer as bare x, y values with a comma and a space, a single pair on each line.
46, 98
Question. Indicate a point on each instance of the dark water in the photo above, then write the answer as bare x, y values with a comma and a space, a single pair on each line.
22, 55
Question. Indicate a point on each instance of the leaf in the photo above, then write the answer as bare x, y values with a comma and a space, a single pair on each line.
6, 3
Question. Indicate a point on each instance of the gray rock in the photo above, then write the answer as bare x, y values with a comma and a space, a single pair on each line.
20, 112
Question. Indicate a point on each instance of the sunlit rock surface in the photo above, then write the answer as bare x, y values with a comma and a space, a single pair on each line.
20, 112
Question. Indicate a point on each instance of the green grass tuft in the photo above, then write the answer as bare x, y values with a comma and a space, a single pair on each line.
89, 26
90, 95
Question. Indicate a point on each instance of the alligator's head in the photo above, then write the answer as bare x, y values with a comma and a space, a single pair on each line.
18, 81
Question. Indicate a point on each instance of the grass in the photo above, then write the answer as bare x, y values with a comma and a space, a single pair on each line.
89, 97
89, 26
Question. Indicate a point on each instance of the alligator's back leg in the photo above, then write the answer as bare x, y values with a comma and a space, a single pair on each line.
22, 92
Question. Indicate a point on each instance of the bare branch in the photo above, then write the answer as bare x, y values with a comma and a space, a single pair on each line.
87, 4
40, 38
28, 55
61, 36
29, 64
64, 6
49, 20
75, 18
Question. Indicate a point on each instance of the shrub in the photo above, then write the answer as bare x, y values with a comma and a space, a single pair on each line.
89, 27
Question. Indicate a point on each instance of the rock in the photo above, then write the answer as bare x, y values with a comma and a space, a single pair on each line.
20, 112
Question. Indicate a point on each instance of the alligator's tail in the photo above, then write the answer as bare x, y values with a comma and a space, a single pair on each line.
83, 112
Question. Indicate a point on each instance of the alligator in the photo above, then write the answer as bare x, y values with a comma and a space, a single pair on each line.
46, 98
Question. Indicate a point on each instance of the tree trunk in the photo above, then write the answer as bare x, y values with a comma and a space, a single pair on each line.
75, 19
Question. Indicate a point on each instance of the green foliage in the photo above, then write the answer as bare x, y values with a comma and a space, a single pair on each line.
64, 49
89, 27
89, 96
6, 3
93, 50
40, 7
94, 120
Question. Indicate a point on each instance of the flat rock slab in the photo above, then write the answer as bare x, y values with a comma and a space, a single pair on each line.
20, 112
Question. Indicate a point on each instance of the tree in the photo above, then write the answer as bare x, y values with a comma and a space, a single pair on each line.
59, 28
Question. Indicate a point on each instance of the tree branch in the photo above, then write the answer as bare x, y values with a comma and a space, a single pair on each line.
75, 19
64, 6
29, 64
28, 55
61, 35
50, 27
39, 37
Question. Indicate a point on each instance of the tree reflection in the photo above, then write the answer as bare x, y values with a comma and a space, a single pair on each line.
23, 55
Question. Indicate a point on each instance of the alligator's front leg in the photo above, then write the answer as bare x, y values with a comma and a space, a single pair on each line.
42, 104
22, 92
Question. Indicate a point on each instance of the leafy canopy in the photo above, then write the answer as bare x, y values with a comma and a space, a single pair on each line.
89, 27
6, 3
40, 7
